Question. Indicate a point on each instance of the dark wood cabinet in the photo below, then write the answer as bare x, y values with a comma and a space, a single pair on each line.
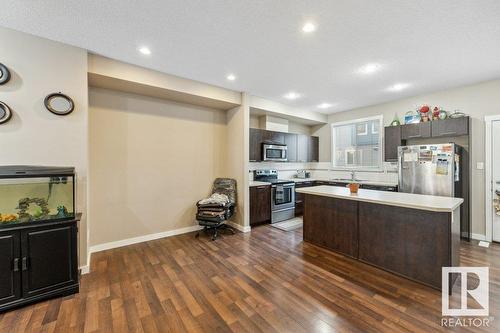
332, 223
37, 262
450, 127
273, 137
300, 147
255, 145
416, 131
260, 204
291, 144
392, 140
299, 197
313, 149
10, 273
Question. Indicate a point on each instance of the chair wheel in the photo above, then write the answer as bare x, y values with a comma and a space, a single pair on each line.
197, 235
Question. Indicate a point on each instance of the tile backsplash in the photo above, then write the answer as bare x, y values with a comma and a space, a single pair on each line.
322, 170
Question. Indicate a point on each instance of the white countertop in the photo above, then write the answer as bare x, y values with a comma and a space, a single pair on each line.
406, 200
300, 180
255, 183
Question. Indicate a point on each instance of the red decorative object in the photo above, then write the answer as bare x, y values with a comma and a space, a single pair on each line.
435, 113
424, 112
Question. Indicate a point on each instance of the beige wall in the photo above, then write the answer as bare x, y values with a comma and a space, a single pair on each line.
238, 121
476, 100
151, 160
34, 136
293, 127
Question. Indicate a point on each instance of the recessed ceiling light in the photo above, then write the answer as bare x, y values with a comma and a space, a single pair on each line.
308, 27
145, 50
324, 105
369, 68
231, 77
292, 95
398, 87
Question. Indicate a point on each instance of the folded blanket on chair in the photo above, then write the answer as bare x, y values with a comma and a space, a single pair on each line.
215, 198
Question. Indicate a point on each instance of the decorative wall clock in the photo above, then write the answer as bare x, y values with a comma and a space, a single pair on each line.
4, 74
59, 104
5, 113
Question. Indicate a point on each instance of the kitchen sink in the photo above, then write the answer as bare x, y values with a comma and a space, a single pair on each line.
347, 180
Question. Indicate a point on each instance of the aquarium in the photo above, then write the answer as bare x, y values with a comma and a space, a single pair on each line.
36, 194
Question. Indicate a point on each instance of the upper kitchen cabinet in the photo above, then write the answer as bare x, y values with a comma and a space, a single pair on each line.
255, 145
277, 138
302, 147
392, 140
416, 131
313, 149
291, 144
450, 127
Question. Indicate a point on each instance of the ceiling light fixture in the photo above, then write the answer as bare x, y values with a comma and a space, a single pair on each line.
398, 87
292, 95
145, 50
308, 27
231, 77
369, 68
324, 106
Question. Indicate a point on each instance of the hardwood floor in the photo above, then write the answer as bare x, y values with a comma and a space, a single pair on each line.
267, 280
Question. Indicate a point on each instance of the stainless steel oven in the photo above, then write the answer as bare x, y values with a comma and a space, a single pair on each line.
282, 202
274, 152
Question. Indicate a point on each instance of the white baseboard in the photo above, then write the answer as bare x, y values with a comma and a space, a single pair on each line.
478, 237
239, 227
145, 238
85, 269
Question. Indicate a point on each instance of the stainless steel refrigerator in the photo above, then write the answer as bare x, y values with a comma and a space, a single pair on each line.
436, 169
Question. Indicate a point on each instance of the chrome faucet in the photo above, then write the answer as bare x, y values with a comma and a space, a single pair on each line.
353, 175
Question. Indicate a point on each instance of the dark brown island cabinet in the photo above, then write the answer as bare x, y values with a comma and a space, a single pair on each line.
389, 230
260, 204
37, 261
395, 136
300, 147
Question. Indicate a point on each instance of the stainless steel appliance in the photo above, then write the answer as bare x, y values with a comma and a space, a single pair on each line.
429, 169
273, 152
437, 169
303, 174
282, 195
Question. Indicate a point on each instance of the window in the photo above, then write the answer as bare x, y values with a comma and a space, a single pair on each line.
357, 144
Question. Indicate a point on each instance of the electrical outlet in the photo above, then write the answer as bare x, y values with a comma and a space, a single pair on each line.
480, 165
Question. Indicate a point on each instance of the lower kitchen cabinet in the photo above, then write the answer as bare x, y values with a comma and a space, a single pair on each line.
37, 262
260, 204
299, 197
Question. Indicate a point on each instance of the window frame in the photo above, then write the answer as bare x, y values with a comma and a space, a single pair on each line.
380, 133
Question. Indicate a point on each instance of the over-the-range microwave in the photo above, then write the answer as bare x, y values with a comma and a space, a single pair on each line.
273, 152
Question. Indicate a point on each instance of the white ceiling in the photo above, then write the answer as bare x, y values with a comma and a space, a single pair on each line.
429, 44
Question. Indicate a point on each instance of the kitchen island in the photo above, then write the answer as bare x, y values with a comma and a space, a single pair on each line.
407, 234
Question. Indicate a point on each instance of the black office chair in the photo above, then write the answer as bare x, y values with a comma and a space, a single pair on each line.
213, 215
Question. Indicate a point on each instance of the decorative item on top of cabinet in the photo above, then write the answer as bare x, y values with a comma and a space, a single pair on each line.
59, 104
5, 113
395, 121
424, 112
4, 74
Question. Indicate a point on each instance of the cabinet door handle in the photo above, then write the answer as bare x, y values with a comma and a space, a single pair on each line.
24, 263
16, 264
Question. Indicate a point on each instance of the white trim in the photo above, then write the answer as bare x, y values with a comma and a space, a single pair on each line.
381, 144
239, 227
145, 238
84, 269
487, 176
478, 237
